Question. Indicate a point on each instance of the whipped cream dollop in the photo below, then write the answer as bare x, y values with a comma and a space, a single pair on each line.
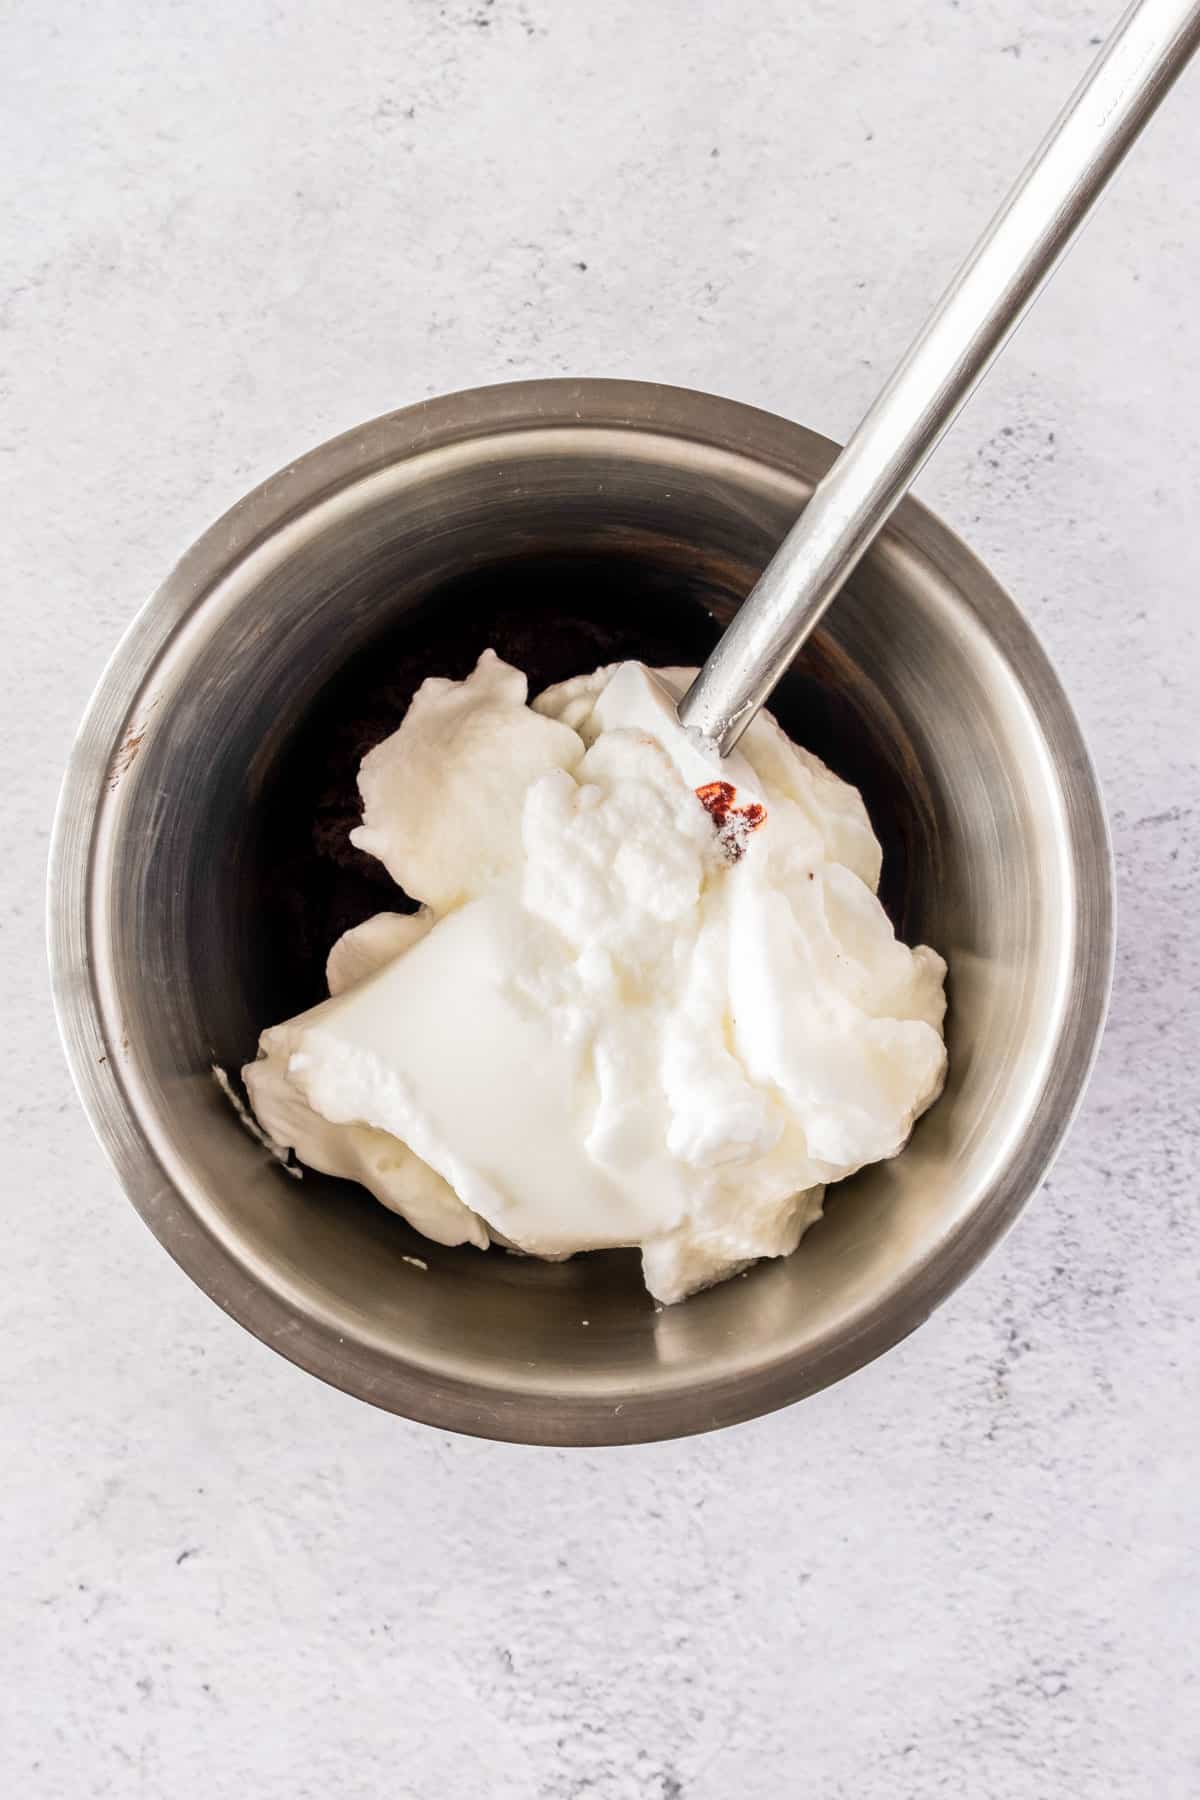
650, 997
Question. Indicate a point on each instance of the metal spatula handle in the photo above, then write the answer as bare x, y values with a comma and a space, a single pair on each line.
982, 307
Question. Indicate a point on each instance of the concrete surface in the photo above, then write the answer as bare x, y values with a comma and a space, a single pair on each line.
234, 229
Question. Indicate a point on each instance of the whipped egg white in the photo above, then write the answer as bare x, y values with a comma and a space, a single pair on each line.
650, 997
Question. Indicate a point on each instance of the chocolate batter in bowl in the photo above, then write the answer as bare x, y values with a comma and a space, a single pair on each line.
552, 616
202, 869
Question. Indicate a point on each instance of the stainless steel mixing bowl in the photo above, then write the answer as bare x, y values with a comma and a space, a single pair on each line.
927, 688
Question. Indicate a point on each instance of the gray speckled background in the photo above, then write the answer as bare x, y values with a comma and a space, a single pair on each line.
238, 227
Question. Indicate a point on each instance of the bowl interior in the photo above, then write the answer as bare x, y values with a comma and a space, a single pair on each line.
221, 876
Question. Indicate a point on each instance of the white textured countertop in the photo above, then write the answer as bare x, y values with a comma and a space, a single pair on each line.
237, 228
